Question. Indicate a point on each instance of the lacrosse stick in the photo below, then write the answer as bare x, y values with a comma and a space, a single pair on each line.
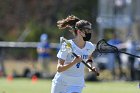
103, 47
69, 48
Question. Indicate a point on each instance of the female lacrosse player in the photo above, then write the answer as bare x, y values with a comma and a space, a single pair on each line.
70, 70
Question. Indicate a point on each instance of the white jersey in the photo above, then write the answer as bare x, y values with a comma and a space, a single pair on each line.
75, 74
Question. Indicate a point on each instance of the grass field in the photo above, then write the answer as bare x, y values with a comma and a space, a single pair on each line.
43, 86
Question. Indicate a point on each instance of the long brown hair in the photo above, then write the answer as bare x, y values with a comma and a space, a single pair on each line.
72, 22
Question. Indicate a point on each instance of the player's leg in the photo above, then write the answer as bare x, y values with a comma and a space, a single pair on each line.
74, 89
40, 62
58, 88
45, 66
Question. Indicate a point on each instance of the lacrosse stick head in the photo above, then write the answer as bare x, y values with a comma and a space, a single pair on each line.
65, 45
103, 47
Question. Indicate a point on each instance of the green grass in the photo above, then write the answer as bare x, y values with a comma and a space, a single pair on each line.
112, 87
44, 86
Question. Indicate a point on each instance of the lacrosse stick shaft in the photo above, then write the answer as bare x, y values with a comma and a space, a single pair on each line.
87, 65
129, 54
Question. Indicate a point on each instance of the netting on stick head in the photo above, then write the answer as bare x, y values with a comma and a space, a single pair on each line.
103, 47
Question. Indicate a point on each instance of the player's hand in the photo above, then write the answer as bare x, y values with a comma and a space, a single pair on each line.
77, 59
95, 70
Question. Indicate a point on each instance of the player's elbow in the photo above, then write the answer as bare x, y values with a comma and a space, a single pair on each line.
59, 69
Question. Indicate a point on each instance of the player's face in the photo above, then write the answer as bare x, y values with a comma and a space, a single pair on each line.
86, 30
85, 34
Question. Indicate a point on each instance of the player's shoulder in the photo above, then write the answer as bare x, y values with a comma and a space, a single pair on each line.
70, 40
90, 44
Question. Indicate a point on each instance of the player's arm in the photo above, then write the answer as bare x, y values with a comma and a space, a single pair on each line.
40, 50
90, 63
62, 67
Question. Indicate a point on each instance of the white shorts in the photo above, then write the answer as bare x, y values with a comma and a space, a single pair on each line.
61, 88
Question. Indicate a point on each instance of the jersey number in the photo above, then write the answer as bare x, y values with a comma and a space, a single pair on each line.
78, 65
